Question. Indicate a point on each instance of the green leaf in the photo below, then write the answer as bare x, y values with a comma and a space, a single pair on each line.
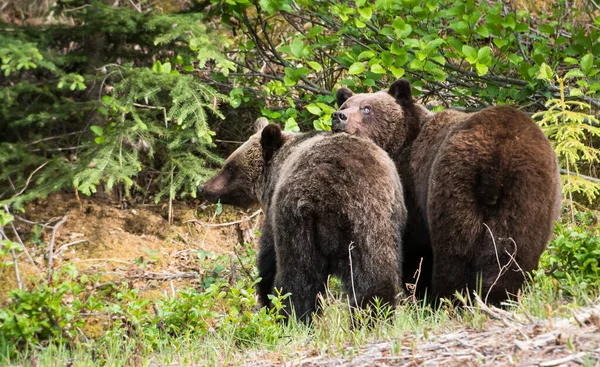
483, 31
99, 139
470, 54
314, 109
315, 31
297, 46
575, 92
368, 54
500, 42
377, 69
327, 109
365, 13
574, 73
97, 130
291, 125
5, 219
514, 58
157, 66
571, 61
396, 49
289, 81
481, 69
586, 63
484, 55
545, 72
166, 68
546, 29
356, 68
387, 59
359, 24
401, 29
315, 65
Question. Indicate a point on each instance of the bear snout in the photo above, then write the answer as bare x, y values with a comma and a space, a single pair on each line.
213, 189
339, 121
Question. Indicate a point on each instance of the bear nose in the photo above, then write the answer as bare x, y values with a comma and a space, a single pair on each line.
200, 189
339, 115
338, 121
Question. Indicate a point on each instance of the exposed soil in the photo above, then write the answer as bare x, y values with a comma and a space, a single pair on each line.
100, 236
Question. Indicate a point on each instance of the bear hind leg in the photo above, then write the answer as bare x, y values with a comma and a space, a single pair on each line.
302, 269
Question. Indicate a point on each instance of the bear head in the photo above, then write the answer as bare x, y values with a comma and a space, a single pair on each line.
238, 181
385, 117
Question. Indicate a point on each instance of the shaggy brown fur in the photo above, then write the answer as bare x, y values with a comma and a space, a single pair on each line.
322, 195
482, 189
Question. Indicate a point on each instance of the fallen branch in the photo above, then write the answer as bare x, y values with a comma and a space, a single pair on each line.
12, 225
51, 247
17, 276
152, 275
204, 224
69, 244
29, 179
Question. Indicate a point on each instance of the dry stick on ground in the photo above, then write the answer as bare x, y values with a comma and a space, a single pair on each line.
29, 179
12, 225
412, 288
62, 247
19, 283
241, 263
204, 224
51, 247
502, 268
350, 247
152, 275
3, 235
14, 255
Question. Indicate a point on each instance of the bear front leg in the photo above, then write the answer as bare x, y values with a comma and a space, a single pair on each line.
267, 265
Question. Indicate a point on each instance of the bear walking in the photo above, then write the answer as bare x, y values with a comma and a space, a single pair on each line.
333, 206
482, 189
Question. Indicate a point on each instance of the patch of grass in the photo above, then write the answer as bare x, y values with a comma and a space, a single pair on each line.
221, 323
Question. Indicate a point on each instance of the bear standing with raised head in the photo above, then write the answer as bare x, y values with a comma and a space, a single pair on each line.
333, 205
482, 189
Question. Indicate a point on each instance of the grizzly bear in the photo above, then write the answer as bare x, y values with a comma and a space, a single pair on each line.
333, 205
482, 189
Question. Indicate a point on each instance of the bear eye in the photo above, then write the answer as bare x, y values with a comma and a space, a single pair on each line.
366, 110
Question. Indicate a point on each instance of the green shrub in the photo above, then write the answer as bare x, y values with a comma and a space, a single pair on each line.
47, 312
572, 257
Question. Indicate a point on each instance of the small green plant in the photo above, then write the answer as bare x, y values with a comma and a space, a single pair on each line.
572, 257
48, 312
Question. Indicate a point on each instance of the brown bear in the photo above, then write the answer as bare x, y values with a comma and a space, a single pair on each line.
333, 205
482, 189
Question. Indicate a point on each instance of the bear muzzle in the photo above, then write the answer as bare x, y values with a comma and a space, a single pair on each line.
339, 121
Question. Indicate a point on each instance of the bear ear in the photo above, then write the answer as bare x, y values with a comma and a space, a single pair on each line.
271, 139
342, 96
260, 124
401, 91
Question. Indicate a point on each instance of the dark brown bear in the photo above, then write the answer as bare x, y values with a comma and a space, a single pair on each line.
326, 198
482, 189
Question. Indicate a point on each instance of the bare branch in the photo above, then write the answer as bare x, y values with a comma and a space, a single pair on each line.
51, 247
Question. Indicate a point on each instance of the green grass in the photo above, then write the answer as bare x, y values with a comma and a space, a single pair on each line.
219, 322
331, 334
